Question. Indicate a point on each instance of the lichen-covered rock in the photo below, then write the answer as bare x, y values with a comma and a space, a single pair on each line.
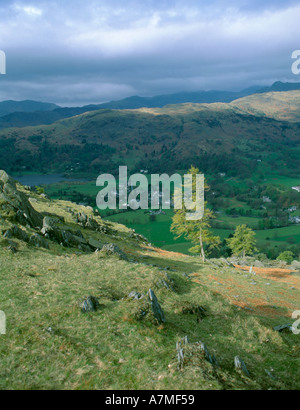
91, 304
188, 308
166, 283
240, 365
87, 222
135, 295
156, 308
15, 205
54, 230
112, 249
283, 328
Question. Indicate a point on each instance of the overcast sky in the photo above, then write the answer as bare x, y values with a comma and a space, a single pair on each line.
74, 52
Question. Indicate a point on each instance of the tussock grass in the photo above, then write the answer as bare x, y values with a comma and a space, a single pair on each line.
51, 344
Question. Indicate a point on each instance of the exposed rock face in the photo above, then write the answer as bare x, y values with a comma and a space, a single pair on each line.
39, 242
53, 229
93, 243
16, 232
15, 204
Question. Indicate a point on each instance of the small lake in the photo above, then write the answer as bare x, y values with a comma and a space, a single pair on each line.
37, 180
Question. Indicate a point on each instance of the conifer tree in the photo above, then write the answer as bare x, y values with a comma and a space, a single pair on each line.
243, 241
198, 232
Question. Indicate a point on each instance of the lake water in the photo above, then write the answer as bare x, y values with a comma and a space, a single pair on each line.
37, 180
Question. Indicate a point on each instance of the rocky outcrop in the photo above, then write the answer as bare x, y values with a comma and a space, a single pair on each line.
38, 241
94, 244
17, 233
14, 205
295, 265
112, 249
55, 230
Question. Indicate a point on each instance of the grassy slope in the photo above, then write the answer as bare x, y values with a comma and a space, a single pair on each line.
111, 349
279, 105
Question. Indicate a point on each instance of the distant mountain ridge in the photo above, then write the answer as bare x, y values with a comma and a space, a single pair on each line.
228, 138
10, 106
279, 86
31, 113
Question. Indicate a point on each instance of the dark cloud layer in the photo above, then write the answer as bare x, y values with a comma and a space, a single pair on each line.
78, 52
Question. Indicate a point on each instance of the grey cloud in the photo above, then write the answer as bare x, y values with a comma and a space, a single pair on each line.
79, 52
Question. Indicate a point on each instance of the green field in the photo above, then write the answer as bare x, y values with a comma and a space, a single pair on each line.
158, 230
159, 234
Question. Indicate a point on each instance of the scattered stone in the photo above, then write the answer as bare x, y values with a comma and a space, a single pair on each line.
258, 264
156, 308
135, 295
184, 348
204, 349
228, 263
180, 354
282, 328
112, 249
138, 237
240, 365
91, 304
295, 265
87, 222
270, 375
167, 283
197, 310
180, 358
